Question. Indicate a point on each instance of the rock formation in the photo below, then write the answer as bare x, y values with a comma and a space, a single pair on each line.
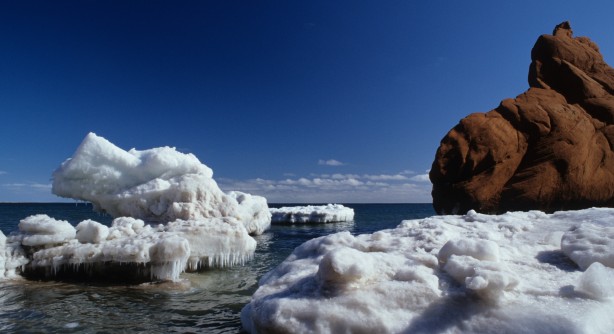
550, 148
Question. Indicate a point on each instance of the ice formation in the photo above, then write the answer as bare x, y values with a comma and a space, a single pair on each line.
158, 184
312, 214
159, 252
513, 273
204, 227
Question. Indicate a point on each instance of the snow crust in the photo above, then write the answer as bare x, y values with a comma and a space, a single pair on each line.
514, 273
158, 184
312, 214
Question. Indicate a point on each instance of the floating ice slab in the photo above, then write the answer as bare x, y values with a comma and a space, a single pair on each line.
158, 184
312, 214
129, 249
447, 274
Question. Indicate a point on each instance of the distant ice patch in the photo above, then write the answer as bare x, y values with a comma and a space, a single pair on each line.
476, 273
312, 214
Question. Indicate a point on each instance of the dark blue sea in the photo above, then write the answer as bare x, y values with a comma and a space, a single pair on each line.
205, 302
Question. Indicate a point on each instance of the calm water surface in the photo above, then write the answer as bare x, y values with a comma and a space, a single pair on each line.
208, 302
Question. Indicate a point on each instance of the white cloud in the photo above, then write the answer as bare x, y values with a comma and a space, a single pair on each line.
3, 172
30, 185
421, 178
330, 162
385, 177
338, 188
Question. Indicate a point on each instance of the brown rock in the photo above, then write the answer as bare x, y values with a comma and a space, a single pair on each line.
548, 149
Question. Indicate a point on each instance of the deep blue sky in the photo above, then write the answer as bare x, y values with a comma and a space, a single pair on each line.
266, 92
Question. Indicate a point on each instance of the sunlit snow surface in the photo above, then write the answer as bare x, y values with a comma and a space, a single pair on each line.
158, 184
515, 273
312, 214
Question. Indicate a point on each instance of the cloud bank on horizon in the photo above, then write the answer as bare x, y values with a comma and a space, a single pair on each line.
403, 187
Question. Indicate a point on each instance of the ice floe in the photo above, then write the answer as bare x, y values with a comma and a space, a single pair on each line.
146, 252
312, 214
511, 273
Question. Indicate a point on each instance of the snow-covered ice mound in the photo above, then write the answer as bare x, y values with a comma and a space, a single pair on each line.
129, 250
514, 273
158, 184
312, 214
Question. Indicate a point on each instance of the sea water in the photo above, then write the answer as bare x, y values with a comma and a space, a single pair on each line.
208, 301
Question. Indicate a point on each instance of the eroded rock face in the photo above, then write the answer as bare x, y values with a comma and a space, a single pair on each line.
548, 149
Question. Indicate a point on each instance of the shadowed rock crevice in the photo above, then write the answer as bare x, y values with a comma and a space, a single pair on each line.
548, 149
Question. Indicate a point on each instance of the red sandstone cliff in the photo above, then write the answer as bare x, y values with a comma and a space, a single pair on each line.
550, 148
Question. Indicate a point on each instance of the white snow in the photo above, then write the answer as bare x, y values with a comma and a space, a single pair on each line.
590, 243
254, 212
89, 231
312, 214
597, 282
41, 230
447, 274
158, 184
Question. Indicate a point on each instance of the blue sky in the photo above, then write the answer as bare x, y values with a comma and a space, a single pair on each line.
299, 101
